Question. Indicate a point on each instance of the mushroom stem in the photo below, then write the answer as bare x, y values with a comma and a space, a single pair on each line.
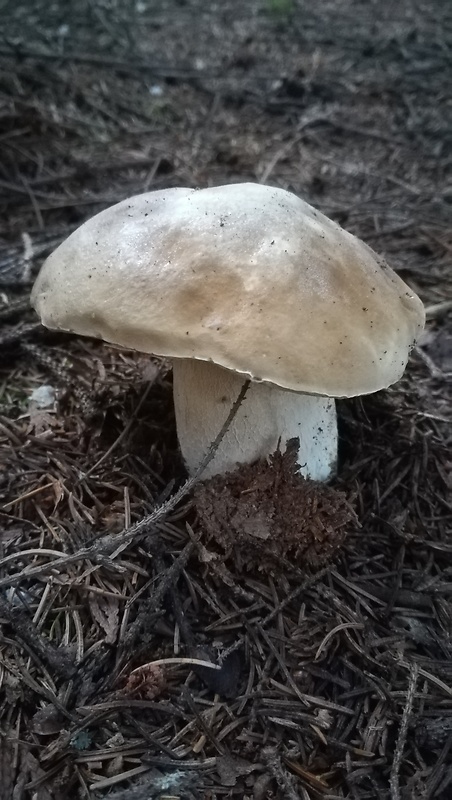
203, 395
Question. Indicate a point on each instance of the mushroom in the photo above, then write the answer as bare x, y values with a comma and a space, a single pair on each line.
236, 282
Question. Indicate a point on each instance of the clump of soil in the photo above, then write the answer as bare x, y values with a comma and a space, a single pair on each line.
266, 513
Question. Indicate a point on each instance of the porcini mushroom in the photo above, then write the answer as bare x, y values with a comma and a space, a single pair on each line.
234, 282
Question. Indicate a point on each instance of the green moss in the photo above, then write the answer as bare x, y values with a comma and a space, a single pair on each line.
280, 8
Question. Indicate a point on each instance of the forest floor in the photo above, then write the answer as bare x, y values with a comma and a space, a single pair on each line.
335, 676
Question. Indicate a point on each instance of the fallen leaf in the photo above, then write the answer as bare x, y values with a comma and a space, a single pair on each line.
47, 721
105, 611
230, 768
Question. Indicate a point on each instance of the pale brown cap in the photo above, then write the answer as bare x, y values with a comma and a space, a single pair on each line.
247, 276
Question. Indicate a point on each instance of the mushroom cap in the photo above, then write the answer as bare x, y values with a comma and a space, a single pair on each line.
247, 276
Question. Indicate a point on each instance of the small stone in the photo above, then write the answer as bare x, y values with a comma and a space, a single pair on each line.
43, 396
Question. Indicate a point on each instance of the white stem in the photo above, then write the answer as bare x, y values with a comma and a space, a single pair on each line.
203, 396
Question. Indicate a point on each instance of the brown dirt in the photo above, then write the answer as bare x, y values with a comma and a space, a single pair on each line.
333, 681
266, 514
